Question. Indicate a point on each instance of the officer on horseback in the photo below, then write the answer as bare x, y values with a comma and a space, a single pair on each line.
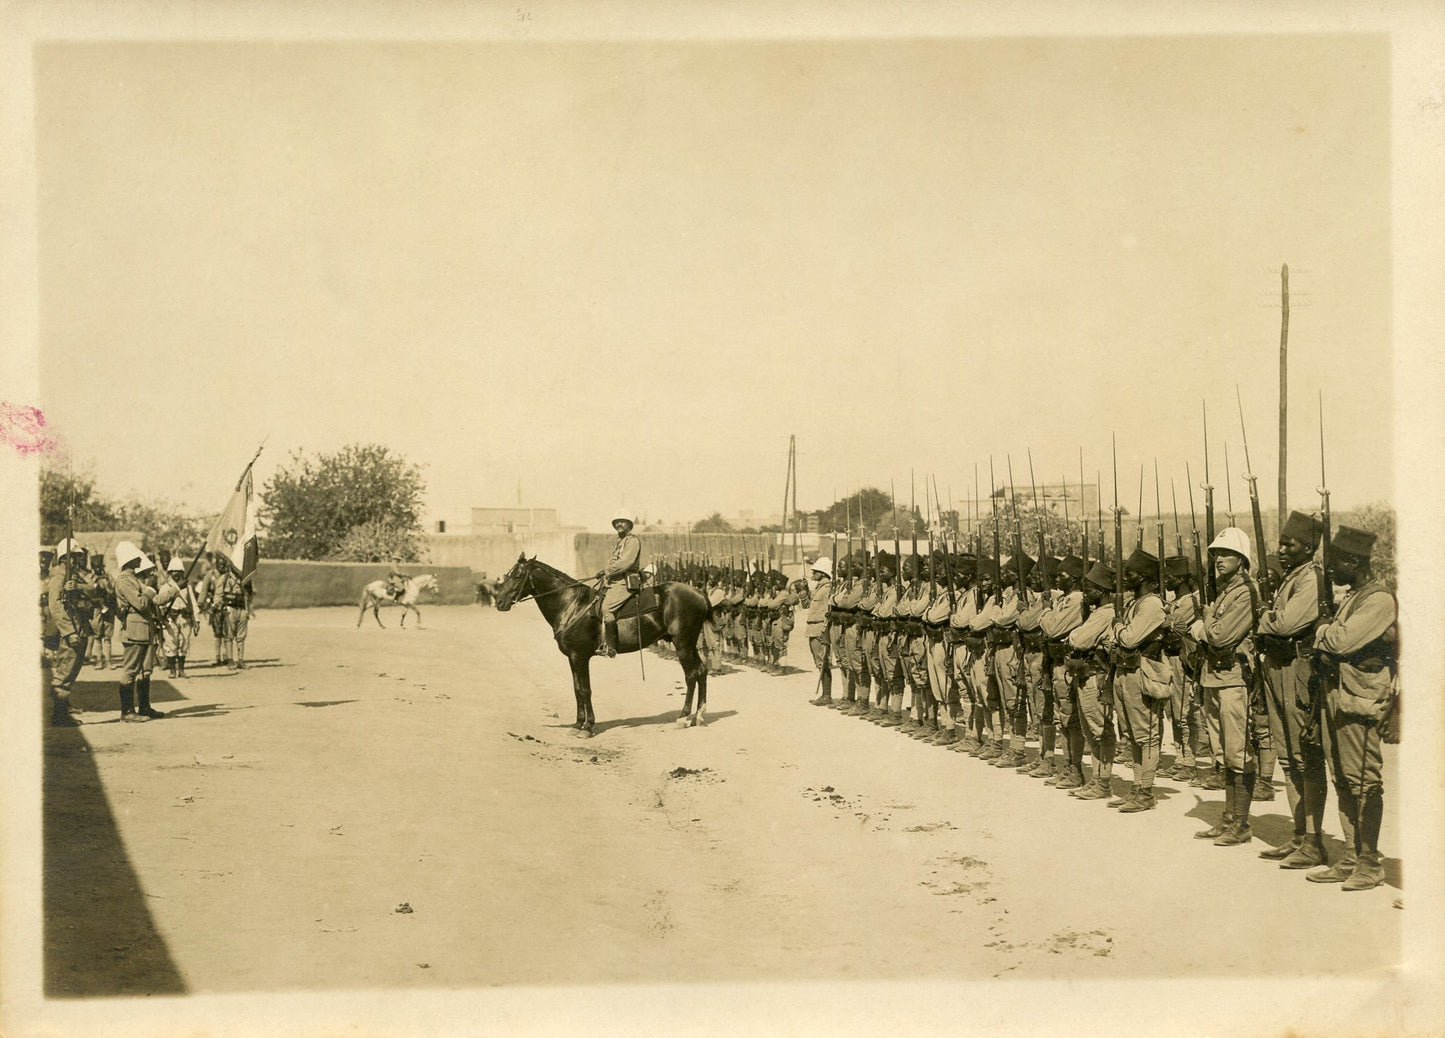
622, 577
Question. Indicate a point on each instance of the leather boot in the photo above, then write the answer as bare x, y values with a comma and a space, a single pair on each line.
143, 698
1226, 820
127, 702
1210, 778
60, 712
1284, 850
1143, 801
1309, 853
608, 647
1239, 832
1264, 781
1071, 779
1370, 866
180, 666
1096, 789
946, 737
1349, 809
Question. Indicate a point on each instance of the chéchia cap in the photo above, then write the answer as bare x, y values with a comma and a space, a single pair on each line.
1233, 539
1011, 567
1050, 564
1142, 564
1179, 566
1349, 541
1101, 575
1301, 527
1072, 565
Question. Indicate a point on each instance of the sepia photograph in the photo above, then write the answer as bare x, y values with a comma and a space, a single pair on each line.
708, 519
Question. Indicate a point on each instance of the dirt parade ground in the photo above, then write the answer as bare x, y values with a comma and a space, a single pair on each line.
410, 809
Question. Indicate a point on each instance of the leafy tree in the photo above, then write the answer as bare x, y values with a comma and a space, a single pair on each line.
380, 542
163, 525
868, 509
714, 523
310, 505
58, 490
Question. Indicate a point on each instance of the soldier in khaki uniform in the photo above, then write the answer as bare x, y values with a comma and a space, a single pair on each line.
1057, 623
936, 642
1031, 665
860, 642
139, 604
1093, 703
69, 601
816, 628
1142, 678
621, 578
965, 644
1224, 633
1284, 641
1356, 652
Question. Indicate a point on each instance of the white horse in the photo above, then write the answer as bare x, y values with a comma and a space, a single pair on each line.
378, 594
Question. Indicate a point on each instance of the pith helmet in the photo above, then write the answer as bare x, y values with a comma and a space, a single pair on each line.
623, 515
67, 546
1301, 527
176, 565
1233, 539
823, 565
145, 564
125, 553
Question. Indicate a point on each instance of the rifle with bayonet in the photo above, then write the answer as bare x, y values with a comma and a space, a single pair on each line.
1039, 512
947, 553
1210, 587
997, 554
1322, 670
1159, 517
1266, 584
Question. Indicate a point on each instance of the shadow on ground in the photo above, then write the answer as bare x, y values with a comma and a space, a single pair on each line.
100, 938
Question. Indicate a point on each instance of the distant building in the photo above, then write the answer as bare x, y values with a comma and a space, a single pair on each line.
514, 520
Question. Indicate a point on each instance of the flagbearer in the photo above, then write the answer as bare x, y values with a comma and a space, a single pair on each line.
235, 615
182, 617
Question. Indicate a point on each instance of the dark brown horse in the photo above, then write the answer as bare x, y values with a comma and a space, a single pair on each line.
569, 606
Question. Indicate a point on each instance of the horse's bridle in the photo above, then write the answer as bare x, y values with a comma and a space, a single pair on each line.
526, 578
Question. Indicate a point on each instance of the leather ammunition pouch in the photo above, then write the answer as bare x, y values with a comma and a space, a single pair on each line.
975, 642
1033, 640
999, 638
1125, 659
1221, 659
1171, 643
1057, 650
1280, 651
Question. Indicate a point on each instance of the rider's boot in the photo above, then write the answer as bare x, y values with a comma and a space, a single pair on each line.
609, 639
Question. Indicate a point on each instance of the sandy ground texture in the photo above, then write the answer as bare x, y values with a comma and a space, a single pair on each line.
409, 808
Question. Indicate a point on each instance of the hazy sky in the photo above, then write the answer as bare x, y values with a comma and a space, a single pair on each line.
625, 272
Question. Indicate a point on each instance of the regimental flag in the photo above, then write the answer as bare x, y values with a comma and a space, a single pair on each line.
234, 534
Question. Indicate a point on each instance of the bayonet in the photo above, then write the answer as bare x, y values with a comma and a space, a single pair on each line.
1265, 582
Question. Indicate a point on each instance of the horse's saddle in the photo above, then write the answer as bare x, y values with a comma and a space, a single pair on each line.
645, 601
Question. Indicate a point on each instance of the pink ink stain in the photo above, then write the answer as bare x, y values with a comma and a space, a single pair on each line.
23, 428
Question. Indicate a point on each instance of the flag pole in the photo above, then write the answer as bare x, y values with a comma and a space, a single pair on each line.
244, 472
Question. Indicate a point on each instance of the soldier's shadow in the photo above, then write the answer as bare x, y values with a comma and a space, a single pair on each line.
101, 697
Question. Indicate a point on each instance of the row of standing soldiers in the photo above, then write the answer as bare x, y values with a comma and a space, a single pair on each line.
1246, 685
156, 609
752, 611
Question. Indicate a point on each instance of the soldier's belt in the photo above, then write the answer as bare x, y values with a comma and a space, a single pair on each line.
1125, 659
975, 642
1057, 650
998, 638
1281, 651
1222, 659
913, 628
1033, 640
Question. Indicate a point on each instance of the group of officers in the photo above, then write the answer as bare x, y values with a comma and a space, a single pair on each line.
156, 607
1014, 644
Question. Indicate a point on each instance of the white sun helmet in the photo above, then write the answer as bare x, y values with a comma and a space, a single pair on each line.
1232, 538
176, 565
624, 515
66, 547
126, 552
823, 565
145, 564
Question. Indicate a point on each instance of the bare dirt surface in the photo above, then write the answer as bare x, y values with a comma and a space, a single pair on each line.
410, 808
